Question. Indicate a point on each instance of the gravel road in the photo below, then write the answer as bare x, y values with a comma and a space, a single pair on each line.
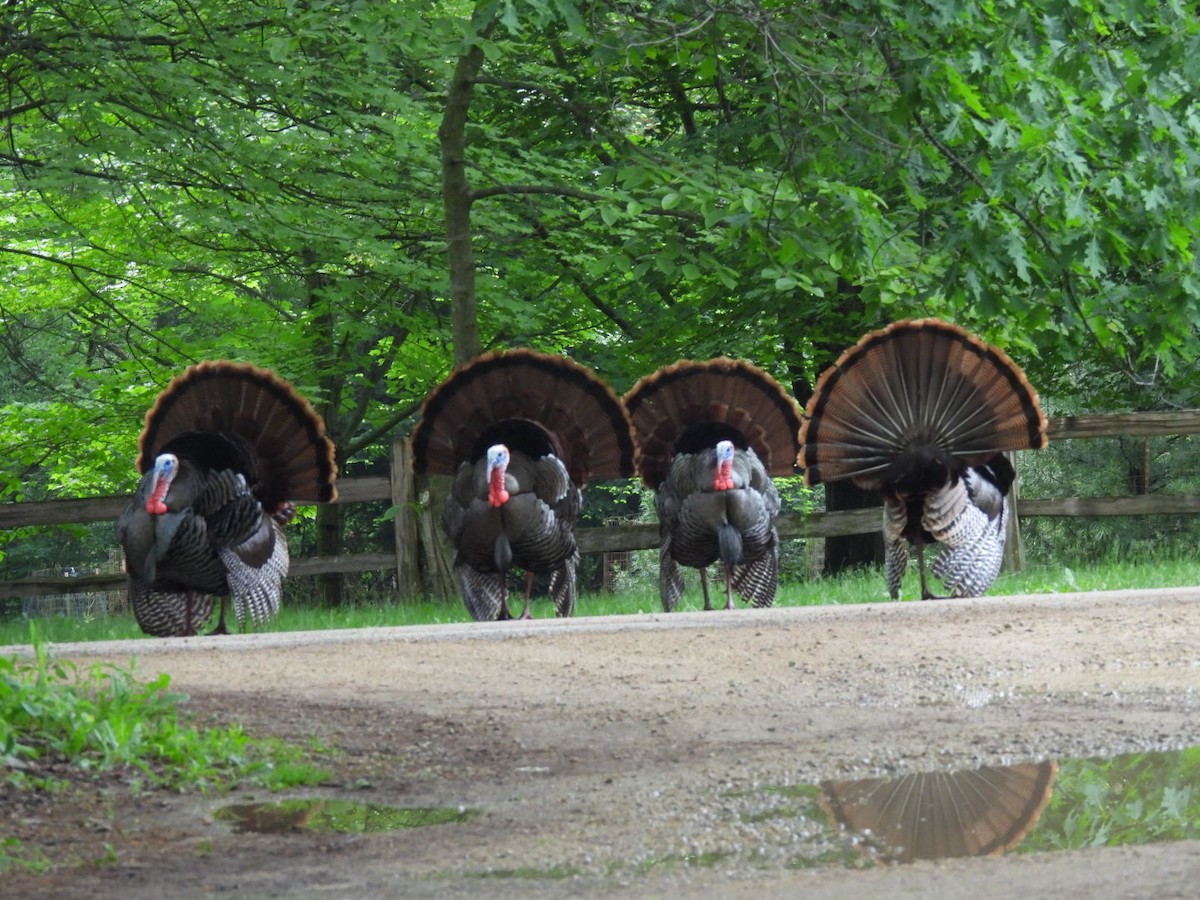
653, 755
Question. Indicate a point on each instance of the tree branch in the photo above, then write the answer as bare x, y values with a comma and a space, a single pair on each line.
514, 190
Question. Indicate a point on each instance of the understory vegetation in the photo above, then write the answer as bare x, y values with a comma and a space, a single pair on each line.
67, 729
64, 726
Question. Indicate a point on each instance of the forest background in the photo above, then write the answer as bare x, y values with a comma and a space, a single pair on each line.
362, 194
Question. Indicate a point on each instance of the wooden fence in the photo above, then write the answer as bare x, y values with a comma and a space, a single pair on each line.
421, 548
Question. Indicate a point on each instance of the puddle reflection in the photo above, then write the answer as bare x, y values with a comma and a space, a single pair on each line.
333, 815
932, 815
1136, 798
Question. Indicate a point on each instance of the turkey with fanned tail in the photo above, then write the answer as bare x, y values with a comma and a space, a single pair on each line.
711, 435
924, 412
522, 433
224, 451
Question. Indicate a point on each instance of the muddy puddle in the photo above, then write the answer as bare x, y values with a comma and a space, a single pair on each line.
334, 815
1131, 799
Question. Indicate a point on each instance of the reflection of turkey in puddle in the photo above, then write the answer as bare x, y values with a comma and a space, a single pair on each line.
939, 814
1137, 798
333, 815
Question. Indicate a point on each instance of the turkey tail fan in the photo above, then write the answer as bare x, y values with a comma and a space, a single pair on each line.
916, 383
937, 815
235, 415
689, 405
522, 396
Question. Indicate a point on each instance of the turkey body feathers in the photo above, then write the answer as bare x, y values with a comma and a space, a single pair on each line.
522, 433
923, 412
713, 507
533, 530
223, 450
691, 405
699, 525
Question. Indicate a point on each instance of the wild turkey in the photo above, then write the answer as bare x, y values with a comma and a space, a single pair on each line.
938, 815
522, 433
223, 451
923, 412
711, 435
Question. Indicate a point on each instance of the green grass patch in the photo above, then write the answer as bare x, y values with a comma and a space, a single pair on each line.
706, 860
70, 629
15, 855
861, 586
66, 727
60, 721
344, 816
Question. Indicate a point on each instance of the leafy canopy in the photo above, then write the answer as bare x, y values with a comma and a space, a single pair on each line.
644, 182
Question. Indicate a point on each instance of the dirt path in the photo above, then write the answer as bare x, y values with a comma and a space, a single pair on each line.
627, 756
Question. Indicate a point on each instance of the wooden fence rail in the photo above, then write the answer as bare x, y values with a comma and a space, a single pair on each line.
416, 519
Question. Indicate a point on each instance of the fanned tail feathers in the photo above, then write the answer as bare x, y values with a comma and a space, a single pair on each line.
692, 404
938, 815
916, 383
236, 415
504, 393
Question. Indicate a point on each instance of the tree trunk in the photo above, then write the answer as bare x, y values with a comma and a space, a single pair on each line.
330, 588
330, 591
457, 198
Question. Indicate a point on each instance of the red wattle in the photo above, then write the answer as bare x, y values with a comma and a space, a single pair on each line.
155, 505
497, 495
723, 476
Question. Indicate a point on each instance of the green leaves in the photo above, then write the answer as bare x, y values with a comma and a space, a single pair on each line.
183, 187
1132, 799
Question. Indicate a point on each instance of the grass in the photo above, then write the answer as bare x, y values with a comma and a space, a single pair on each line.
863, 586
64, 726
58, 717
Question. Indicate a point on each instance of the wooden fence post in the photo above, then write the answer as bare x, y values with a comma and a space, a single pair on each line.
437, 555
404, 500
1014, 544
